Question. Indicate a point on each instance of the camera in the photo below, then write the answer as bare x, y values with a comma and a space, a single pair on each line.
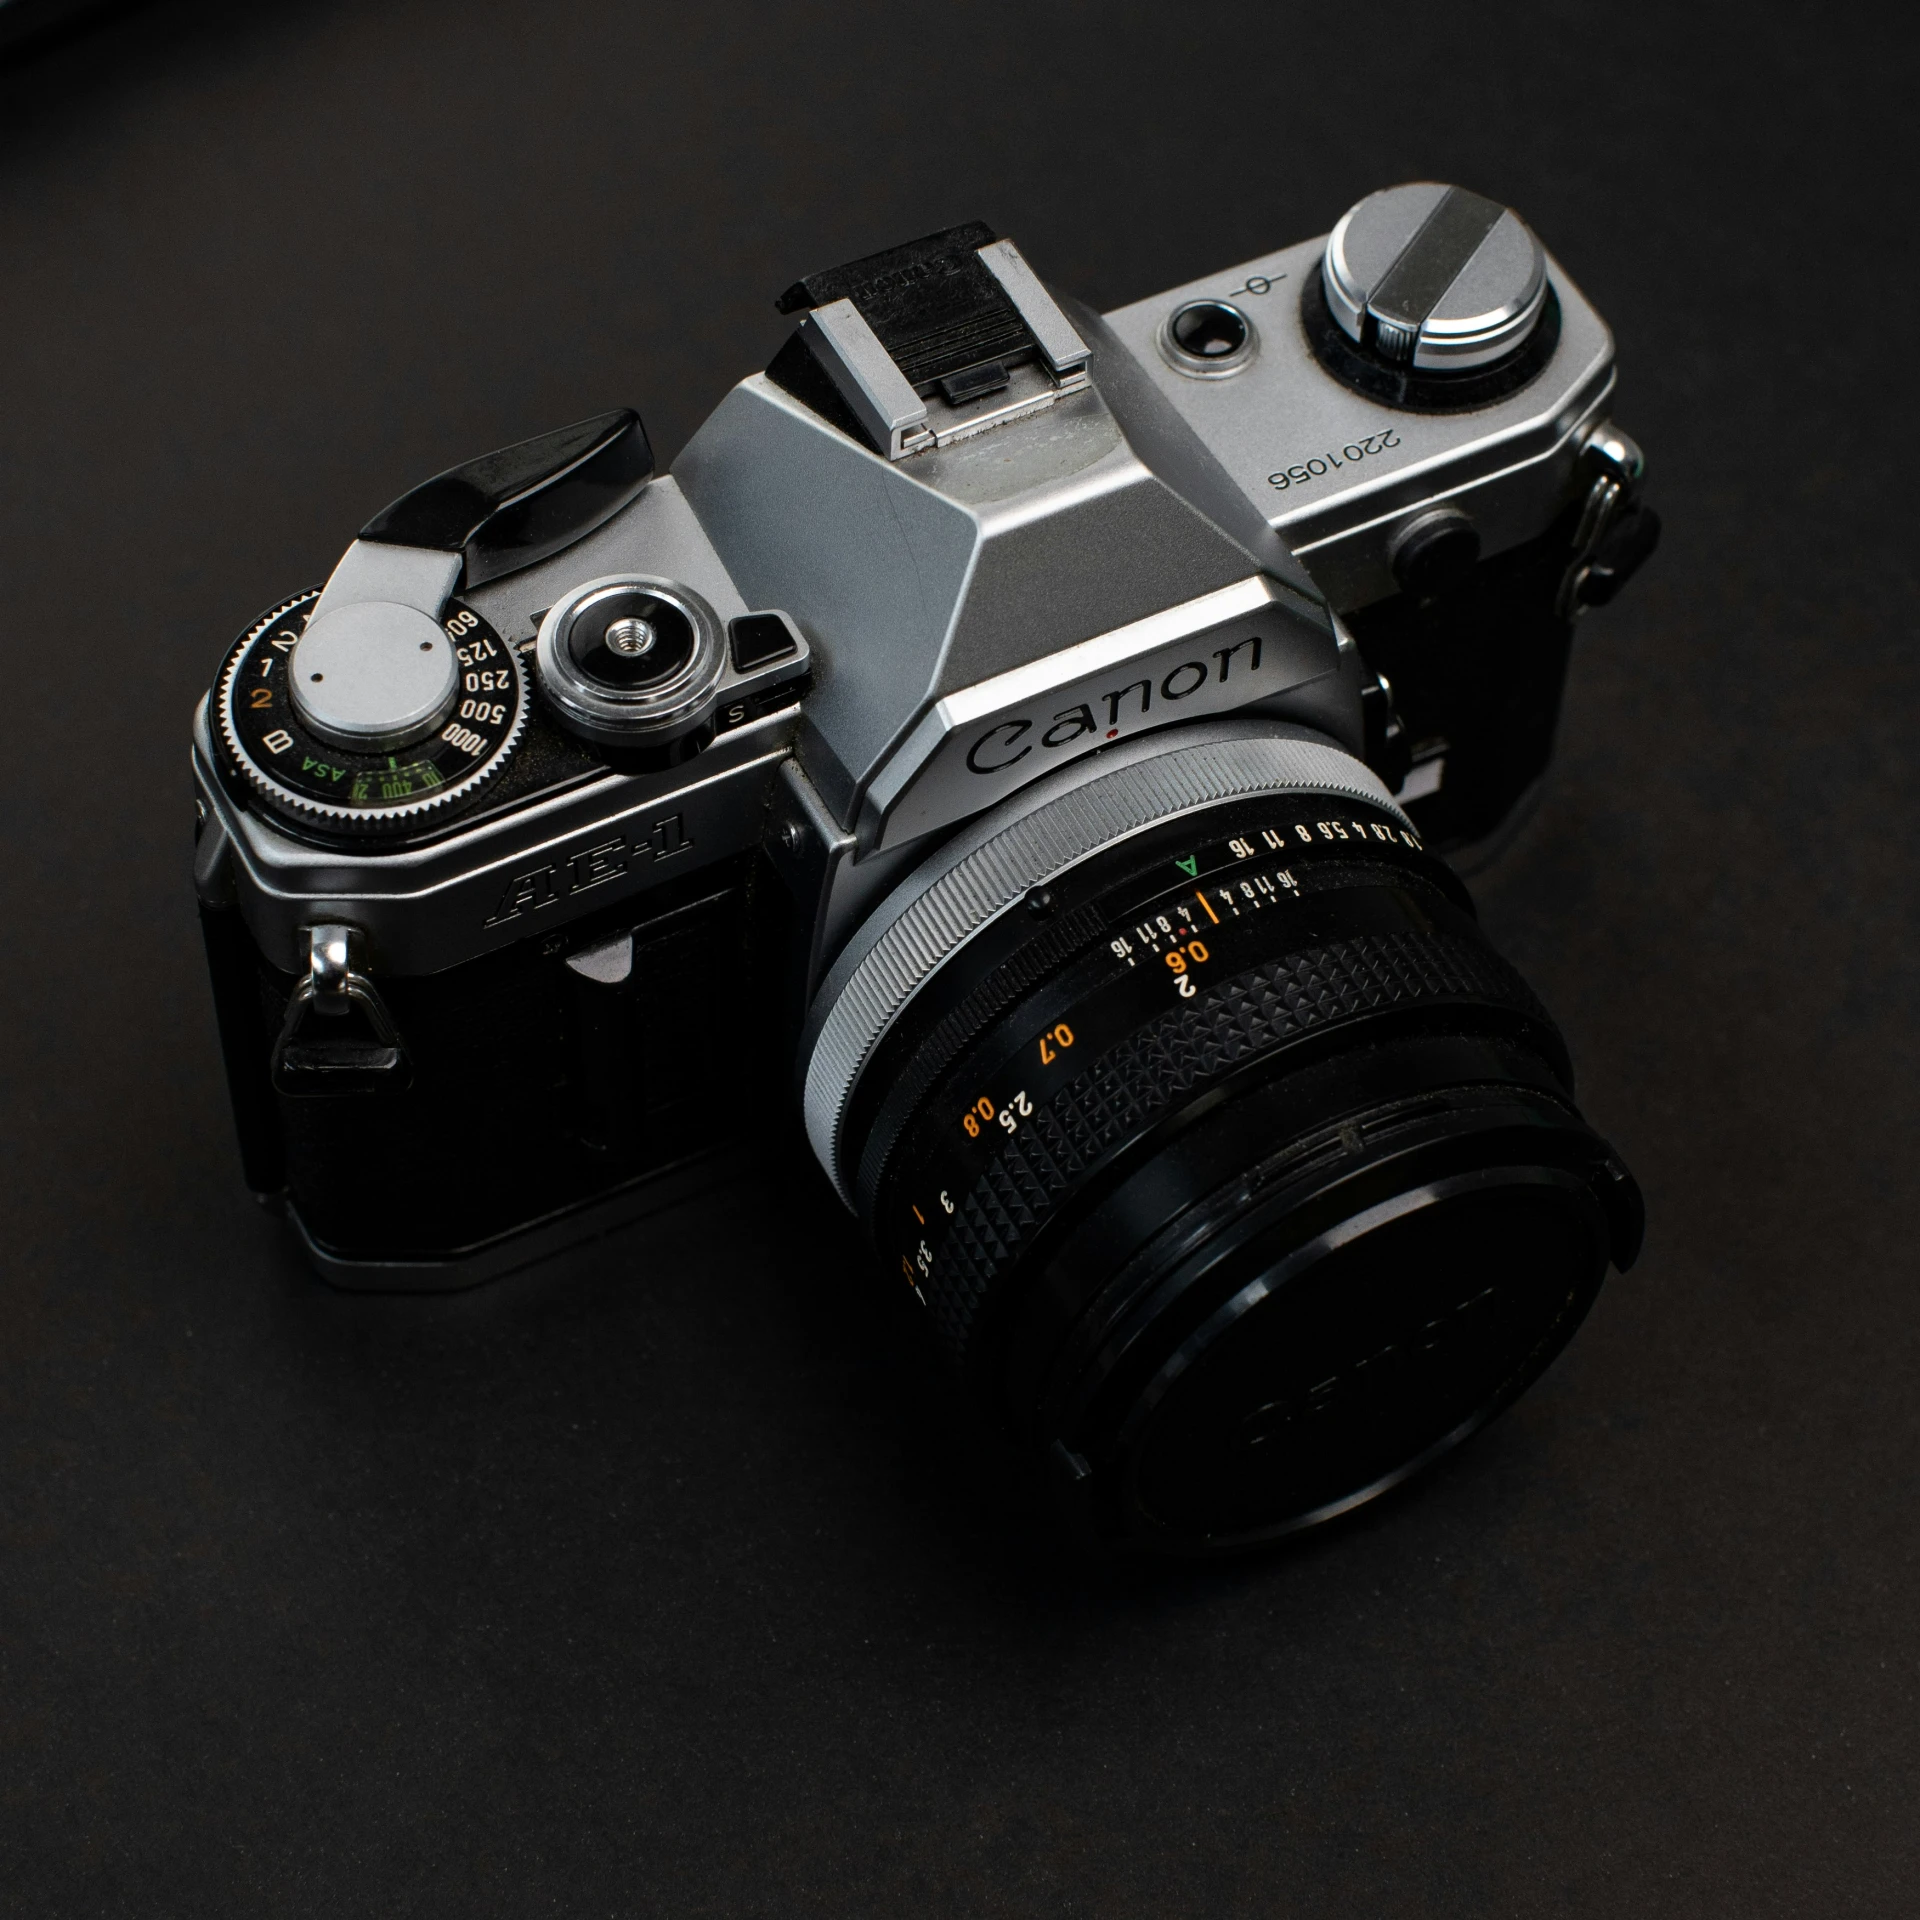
1032, 753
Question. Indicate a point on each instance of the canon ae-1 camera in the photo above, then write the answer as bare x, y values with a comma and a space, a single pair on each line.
1033, 748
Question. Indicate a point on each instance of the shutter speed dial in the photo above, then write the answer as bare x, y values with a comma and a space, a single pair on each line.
380, 701
359, 727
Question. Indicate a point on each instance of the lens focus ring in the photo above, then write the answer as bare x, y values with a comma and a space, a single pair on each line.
1124, 1092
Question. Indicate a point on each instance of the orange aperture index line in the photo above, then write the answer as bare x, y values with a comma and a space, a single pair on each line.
1211, 915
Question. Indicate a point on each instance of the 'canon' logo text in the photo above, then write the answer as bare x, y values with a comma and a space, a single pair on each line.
1008, 740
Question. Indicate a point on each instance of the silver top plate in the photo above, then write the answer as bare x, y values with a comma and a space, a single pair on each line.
1337, 474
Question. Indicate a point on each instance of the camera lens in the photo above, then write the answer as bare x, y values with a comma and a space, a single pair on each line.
1246, 1180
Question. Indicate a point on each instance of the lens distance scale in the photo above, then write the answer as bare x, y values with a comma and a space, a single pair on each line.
312, 781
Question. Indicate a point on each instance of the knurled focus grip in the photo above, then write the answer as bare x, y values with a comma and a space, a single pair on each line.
1135, 1083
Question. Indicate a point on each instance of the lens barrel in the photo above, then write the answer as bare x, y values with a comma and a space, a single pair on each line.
1232, 1163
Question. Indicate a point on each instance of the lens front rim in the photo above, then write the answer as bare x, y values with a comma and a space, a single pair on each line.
1308, 1135
1129, 1511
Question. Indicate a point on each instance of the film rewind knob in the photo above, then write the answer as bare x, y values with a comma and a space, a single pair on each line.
1435, 278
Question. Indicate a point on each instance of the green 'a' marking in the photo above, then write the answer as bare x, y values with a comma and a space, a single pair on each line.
1190, 865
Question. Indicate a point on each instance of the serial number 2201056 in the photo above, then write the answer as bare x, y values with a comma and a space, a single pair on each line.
1331, 461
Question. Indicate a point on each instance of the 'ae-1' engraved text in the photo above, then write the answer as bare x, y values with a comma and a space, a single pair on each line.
595, 866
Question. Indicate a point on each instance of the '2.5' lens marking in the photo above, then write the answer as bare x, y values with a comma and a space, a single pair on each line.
983, 1113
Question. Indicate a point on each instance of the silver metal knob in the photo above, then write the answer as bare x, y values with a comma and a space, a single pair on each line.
1435, 277
630, 658
373, 675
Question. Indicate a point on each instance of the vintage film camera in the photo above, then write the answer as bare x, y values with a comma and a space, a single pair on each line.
1021, 742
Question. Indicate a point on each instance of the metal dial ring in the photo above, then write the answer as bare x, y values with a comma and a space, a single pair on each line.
630, 659
341, 789
1039, 833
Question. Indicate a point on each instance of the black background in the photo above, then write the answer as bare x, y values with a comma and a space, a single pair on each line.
673, 1580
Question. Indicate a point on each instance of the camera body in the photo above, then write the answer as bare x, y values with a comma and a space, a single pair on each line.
586, 814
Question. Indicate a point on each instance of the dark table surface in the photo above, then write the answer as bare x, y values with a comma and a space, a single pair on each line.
673, 1579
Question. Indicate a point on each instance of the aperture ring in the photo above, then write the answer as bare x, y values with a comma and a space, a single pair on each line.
1134, 1084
